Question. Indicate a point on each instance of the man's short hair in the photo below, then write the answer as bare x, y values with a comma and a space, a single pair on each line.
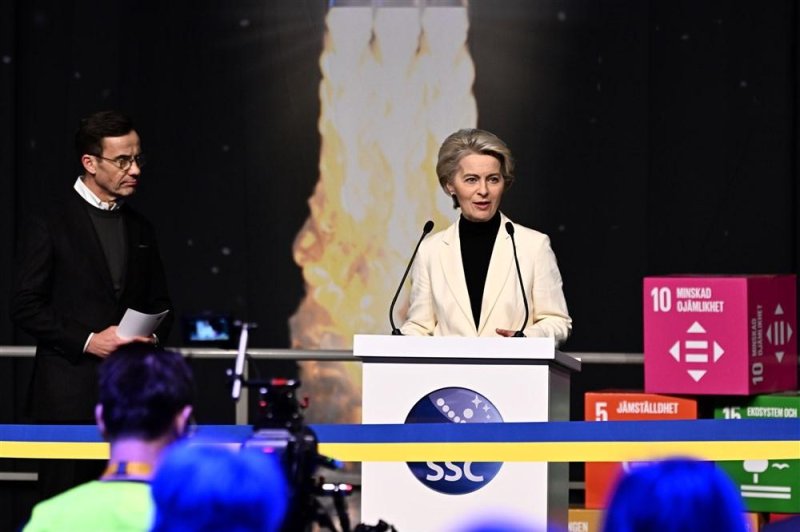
142, 389
95, 127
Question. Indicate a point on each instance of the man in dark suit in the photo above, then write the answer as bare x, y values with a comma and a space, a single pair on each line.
81, 265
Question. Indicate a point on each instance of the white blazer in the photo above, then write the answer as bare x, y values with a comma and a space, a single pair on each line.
439, 303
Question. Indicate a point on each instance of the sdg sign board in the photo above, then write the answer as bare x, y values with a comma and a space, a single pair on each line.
765, 485
720, 335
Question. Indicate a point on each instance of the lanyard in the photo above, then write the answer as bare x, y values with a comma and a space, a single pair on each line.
116, 470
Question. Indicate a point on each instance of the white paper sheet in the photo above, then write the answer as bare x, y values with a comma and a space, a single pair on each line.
135, 323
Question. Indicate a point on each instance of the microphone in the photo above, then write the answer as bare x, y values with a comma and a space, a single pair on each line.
510, 231
425, 230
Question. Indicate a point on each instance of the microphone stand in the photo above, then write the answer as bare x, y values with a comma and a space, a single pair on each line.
425, 230
510, 231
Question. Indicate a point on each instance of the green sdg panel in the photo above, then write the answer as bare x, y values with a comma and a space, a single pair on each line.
765, 485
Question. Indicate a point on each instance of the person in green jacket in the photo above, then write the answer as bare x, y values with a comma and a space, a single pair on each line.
145, 404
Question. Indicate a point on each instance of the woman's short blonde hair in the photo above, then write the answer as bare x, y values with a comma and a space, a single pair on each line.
467, 141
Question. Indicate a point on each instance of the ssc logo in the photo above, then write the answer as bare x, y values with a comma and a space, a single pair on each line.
454, 405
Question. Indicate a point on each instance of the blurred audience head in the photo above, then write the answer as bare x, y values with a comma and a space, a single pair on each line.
501, 525
204, 487
144, 394
675, 495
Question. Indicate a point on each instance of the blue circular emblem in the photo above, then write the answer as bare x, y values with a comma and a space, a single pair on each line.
454, 405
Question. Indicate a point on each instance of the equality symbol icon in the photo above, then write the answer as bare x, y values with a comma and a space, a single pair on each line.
779, 332
696, 351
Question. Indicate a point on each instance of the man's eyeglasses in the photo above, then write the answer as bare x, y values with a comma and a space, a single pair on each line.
123, 162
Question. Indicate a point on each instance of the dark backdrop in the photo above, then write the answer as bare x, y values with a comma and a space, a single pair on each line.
652, 137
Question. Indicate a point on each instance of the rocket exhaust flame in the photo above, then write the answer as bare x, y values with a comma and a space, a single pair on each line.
395, 82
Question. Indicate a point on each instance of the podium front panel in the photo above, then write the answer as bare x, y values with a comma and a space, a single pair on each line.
516, 392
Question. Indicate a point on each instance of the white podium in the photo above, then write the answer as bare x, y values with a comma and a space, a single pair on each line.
407, 378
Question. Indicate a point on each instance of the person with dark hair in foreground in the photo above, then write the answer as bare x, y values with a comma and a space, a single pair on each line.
676, 495
80, 266
204, 488
145, 405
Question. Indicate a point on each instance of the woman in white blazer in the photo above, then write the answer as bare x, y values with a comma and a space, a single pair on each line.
464, 280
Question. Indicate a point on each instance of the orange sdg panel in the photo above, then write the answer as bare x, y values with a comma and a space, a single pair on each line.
625, 406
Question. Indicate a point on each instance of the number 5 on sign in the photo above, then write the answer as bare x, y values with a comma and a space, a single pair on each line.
601, 411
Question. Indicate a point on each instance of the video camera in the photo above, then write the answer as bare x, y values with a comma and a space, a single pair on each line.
279, 429
209, 329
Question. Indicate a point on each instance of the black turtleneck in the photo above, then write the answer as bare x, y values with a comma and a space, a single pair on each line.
477, 242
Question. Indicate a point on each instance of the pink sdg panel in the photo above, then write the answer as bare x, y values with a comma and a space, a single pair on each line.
772, 313
697, 335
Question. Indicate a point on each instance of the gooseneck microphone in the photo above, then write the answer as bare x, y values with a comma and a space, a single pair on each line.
425, 230
510, 231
